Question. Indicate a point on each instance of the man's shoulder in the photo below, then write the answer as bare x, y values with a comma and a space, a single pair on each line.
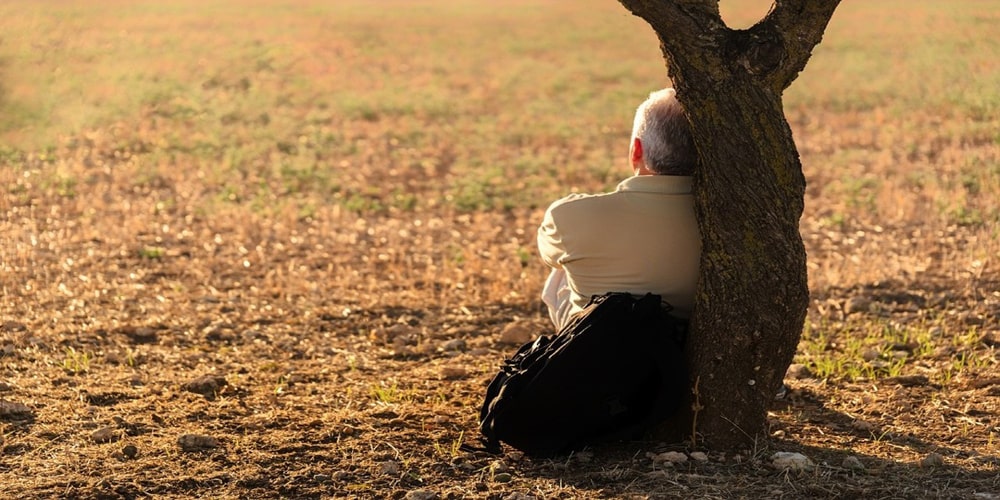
577, 201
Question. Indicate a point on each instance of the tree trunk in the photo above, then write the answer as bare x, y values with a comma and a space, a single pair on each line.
753, 291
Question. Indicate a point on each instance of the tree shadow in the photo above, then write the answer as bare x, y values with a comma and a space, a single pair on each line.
633, 469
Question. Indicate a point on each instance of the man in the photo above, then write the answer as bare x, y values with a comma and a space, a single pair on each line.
643, 237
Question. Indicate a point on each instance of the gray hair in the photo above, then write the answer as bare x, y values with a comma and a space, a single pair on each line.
667, 145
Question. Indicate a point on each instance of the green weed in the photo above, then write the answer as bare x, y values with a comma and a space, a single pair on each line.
76, 362
388, 394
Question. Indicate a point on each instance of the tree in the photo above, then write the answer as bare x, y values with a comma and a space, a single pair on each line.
753, 291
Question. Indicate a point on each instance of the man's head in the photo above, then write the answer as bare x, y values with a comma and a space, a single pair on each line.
661, 137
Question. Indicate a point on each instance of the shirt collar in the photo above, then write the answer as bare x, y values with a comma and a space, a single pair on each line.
659, 184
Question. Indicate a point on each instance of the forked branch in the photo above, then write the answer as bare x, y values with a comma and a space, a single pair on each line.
694, 38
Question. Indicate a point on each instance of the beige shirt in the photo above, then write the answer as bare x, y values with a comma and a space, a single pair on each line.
643, 237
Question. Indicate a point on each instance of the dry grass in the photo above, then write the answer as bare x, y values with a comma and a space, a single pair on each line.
315, 201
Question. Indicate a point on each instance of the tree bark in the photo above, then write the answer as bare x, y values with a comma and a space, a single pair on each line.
753, 290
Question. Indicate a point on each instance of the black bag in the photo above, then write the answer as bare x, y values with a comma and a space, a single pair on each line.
614, 371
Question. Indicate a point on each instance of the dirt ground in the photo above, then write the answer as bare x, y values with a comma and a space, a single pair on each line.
277, 249
307, 391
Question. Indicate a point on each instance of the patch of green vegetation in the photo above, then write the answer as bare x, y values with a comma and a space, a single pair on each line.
76, 362
388, 394
152, 253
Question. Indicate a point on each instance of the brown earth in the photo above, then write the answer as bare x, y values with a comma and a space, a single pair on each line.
264, 272
111, 356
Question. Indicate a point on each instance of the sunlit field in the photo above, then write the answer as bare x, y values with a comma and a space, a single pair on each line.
328, 209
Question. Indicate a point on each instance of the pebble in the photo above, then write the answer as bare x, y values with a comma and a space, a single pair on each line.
503, 477
10, 409
207, 386
420, 495
798, 371
105, 435
673, 457
519, 496
196, 442
389, 467
517, 333
454, 372
863, 426
932, 460
785, 460
852, 463
498, 466
454, 345
130, 451
699, 456
857, 304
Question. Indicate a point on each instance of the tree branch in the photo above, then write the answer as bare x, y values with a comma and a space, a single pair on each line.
801, 24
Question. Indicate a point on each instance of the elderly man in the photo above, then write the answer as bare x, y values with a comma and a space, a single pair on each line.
641, 238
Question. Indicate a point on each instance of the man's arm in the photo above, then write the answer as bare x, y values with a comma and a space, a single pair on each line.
550, 242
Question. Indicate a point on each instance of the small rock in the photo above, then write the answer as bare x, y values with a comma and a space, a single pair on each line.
991, 340
503, 477
898, 355
984, 382
909, 380
699, 456
932, 460
863, 426
453, 372
140, 335
673, 457
12, 410
870, 354
197, 442
499, 466
857, 304
852, 463
798, 371
401, 329
944, 351
517, 333
519, 496
657, 475
391, 333
420, 495
105, 435
207, 386
389, 467
784, 460
454, 345
250, 335
13, 326
130, 451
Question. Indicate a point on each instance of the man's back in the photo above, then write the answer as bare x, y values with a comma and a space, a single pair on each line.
641, 238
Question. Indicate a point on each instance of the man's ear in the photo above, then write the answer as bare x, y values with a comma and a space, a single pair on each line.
636, 152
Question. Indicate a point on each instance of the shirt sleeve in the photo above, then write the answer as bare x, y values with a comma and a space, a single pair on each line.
550, 242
